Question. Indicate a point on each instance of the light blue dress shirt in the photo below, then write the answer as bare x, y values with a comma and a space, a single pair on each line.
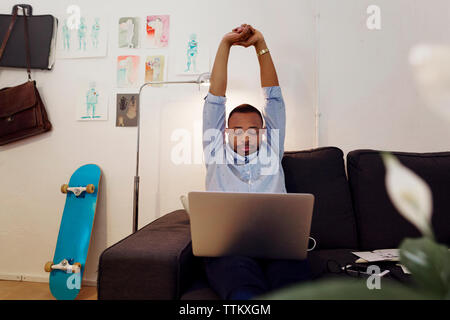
261, 171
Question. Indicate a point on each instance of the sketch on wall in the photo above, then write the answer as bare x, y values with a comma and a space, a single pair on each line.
129, 32
93, 103
192, 55
127, 110
155, 69
127, 71
157, 29
86, 38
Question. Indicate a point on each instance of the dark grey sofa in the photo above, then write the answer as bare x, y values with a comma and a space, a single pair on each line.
352, 212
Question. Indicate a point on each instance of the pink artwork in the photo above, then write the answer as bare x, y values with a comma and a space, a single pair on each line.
157, 31
127, 71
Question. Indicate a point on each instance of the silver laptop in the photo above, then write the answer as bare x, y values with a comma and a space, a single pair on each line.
259, 225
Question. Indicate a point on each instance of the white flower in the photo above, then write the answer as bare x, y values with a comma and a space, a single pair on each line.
408, 192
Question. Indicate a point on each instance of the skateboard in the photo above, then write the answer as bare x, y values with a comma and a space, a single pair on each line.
66, 269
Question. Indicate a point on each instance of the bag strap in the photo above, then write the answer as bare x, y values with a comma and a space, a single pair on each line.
23, 7
8, 34
27, 44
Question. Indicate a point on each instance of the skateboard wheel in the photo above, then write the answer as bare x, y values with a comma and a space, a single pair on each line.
77, 264
64, 188
48, 266
90, 188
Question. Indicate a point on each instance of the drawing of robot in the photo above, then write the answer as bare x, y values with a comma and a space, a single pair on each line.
91, 101
192, 52
95, 33
66, 35
82, 35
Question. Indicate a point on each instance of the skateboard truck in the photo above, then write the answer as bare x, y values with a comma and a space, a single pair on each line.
64, 265
90, 188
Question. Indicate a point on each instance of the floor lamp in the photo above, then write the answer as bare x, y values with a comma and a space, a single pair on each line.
203, 79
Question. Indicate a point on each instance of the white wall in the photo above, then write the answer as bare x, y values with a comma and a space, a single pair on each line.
360, 80
368, 98
31, 171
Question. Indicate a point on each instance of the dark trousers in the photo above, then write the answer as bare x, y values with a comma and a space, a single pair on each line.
241, 277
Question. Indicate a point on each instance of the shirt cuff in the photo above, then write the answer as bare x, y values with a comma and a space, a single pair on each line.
215, 99
272, 92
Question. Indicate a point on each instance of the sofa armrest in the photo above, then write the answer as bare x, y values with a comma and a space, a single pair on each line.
150, 263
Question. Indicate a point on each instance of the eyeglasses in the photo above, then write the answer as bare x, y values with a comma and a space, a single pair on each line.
253, 132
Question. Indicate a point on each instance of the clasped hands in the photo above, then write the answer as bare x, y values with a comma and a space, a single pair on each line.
244, 36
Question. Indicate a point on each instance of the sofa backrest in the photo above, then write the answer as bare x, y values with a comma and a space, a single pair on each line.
379, 224
321, 172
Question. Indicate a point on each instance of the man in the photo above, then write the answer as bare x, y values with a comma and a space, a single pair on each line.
246, 163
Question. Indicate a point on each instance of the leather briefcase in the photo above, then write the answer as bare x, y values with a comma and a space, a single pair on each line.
22, 112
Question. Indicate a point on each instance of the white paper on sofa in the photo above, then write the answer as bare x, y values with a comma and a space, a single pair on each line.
379, 255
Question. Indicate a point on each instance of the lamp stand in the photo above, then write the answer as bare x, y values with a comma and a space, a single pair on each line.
202, 79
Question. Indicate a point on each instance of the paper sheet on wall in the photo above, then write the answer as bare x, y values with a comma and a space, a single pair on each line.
92, 103
82, 37
191, 55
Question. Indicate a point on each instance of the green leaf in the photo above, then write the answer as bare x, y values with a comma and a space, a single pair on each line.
429, 264
347, 289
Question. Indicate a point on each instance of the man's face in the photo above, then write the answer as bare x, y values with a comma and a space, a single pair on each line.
244, 132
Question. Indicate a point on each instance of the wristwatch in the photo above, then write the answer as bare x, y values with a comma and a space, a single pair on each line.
263, 51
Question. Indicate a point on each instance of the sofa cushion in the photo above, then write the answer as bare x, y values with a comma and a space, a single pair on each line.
378, 222
321, 172
146, 264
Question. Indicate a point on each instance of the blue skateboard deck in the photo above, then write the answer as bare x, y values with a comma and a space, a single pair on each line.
75, 232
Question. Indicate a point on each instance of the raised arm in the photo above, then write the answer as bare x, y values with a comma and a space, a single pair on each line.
214, 107
267, 68
274, 112
219, 75
218, 81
